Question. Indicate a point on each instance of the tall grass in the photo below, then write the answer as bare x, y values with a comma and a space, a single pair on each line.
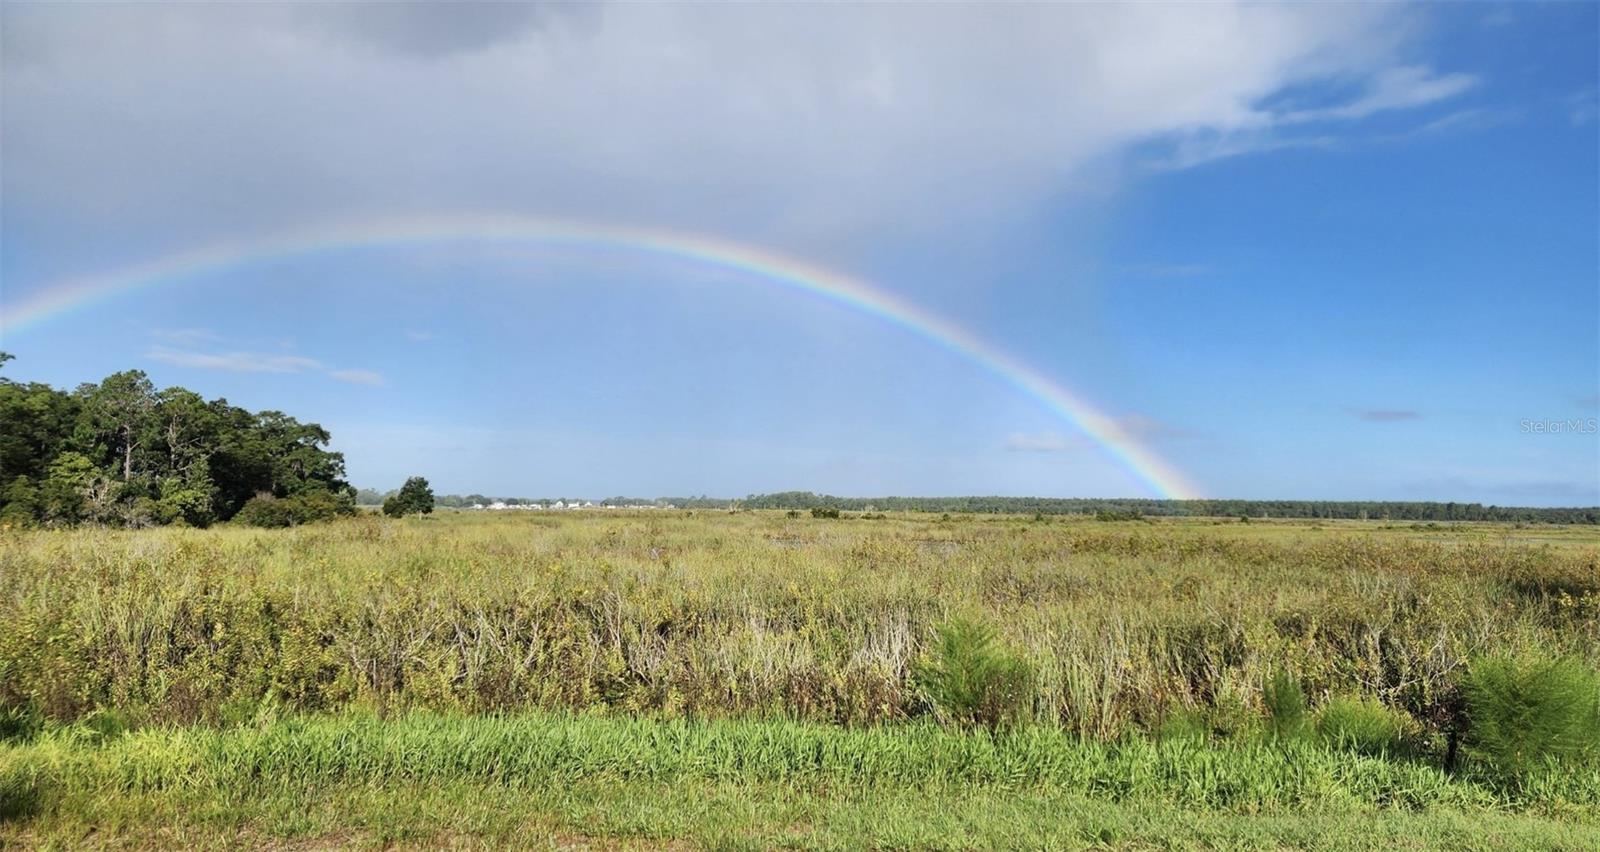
1365, 726
760, 615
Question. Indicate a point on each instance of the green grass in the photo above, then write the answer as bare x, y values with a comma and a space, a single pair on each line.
754, 680
425, 779
1363, 725
726, 815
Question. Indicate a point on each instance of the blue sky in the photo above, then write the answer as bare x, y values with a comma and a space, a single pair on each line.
1331, 251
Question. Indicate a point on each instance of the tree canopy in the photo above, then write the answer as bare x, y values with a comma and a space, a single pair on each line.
122, 452
413, 498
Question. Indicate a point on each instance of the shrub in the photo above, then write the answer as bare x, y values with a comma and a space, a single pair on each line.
972, 680
322, 506
20, 795
101, 725
180, 503
265, 510
1286, 705
1184, 725
16, 515
1524, 712
1363, 725
825, 512
18, 724
413, 498
20, 503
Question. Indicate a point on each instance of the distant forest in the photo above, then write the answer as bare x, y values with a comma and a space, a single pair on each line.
123, 453
373, 497
1350, 509
805, 500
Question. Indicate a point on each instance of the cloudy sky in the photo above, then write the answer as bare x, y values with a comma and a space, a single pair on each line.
1316, 251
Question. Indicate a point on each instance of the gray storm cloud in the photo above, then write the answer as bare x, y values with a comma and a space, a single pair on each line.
796, 124
433, 30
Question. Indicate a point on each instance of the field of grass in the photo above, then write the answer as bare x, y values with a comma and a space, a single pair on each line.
424, 779
752, 680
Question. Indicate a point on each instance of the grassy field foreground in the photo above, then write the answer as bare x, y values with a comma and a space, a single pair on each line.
755, 679
557, 779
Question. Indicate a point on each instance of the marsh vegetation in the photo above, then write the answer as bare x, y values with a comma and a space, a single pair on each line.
1215, 666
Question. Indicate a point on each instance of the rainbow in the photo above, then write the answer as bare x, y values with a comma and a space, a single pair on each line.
1153, 472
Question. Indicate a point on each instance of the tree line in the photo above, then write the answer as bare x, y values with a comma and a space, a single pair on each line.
1109, 508
373, 497
1330, 509
123, 452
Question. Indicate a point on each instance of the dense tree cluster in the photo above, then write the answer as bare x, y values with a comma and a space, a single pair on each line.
122, 452
413, 498
1349, 509
370, 497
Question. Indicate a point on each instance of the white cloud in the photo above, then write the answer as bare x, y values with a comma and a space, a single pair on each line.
790, 123
358, 377
257, 362
1200, 148
1475, 118
187, 336
1046, 442
238, 362
1583, 107
1405, 87
1166, 270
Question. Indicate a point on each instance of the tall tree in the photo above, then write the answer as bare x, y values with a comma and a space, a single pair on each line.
116, 416
186, 429
415, 497
36, 424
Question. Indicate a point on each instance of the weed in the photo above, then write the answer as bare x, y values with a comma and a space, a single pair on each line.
1363, 725
1286, 706
1525, 712
970, 679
